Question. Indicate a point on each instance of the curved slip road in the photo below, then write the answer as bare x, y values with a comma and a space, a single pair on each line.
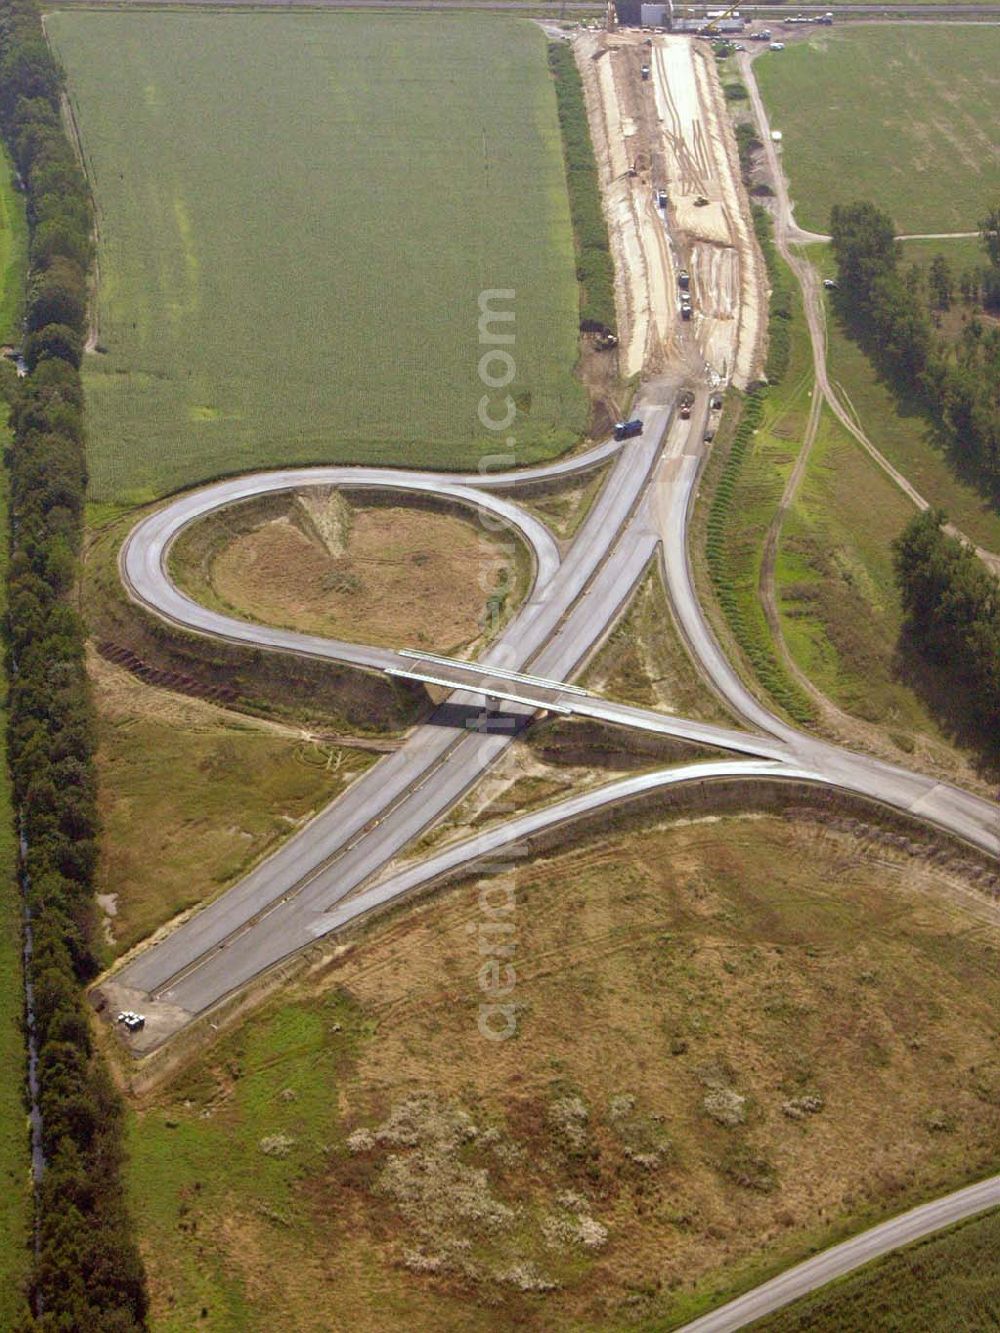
145, 554
644, 504
233, 938
329, 875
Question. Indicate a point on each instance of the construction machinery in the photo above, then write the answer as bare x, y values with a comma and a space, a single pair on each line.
713, 27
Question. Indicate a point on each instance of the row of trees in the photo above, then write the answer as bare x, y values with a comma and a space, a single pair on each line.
958, 382
87, 1273
594, 269
952, 606
782, 304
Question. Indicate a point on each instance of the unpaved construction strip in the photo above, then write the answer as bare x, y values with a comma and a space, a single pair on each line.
710, 209
644, 276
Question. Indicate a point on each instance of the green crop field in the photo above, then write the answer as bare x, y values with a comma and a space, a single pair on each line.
297, 215
902, 116
946, 1283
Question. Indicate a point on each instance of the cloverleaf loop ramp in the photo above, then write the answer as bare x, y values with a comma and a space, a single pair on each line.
344, 862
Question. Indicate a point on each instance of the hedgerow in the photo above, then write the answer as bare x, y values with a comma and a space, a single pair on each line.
781, 308
594, 269
86, 1271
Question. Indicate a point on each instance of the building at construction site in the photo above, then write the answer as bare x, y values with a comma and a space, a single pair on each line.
654, 16
720, 21
635, 14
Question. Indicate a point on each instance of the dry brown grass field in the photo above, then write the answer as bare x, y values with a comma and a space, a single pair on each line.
737, 1038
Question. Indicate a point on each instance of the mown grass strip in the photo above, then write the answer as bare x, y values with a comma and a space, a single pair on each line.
594, 268
13, 254
732, 541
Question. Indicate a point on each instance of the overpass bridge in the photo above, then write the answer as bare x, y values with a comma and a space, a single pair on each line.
494, 683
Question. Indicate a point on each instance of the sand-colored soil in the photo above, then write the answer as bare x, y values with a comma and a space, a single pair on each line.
644, 281
672, 132
394, 576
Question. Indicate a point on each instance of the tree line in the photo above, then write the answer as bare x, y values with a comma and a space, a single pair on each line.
952, 608
781, 309
86, 1271
957, 382
594, 269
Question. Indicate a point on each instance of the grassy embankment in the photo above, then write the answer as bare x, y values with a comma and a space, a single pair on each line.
220, 791
644, 661
744, 479
945, 1284
15, 1202
332, 315
836, 597
798, 1012
594, 268
897, 115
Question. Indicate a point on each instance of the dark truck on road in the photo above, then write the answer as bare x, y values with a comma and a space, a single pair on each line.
625, 430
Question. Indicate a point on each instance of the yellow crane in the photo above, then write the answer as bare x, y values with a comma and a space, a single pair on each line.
712, 26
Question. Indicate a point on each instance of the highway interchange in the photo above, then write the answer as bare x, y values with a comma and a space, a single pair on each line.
643, 509
345, 862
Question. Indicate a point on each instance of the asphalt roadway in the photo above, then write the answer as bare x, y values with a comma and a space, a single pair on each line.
643, 507
345, 862
259, 921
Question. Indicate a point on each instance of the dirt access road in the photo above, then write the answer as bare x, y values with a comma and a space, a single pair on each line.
671, 132
786, 234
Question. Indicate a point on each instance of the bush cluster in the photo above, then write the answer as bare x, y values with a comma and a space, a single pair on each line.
957, 383
87, 1273
747, 144
781, 308
750, 634
594, 269
952, 607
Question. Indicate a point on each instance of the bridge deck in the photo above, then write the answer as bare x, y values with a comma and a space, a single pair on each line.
492, 683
